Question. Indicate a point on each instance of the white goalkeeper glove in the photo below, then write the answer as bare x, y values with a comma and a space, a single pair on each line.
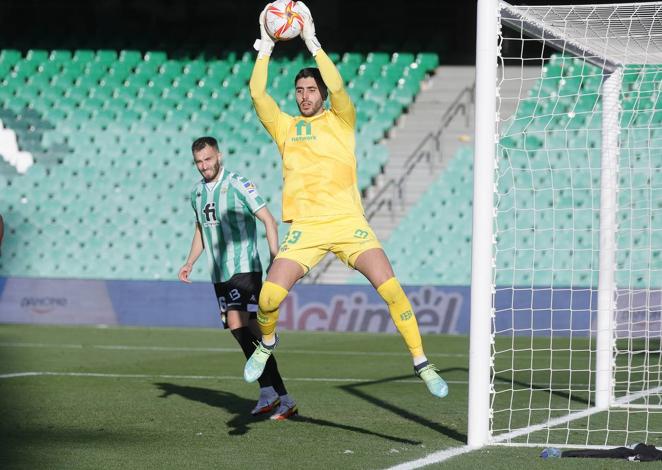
265, 44
308, 31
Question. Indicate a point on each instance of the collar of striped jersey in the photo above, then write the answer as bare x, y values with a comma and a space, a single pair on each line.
212, 184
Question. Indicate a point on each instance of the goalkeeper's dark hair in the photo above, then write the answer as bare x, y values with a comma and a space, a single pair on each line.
313, 72
203, 142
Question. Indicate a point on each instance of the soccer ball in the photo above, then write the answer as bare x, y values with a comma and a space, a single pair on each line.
283, 20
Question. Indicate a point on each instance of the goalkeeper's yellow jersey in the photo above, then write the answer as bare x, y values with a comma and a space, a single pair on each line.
319, 164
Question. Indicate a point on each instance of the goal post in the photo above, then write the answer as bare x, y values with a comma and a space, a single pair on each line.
566, 296
611, 88
483, 215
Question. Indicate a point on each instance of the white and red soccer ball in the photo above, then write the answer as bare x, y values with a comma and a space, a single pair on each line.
283, 20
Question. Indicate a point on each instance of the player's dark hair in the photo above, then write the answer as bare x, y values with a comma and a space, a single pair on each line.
313, 72
203, 142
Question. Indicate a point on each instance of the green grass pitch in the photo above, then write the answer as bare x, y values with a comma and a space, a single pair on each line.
161, 398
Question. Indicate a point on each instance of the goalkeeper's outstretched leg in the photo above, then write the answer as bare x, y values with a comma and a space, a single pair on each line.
375, 266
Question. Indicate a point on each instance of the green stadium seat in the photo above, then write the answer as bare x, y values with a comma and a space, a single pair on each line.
156, 57
170, 68
196, 68
83, 55
105, 56
391, 73
403, 58
377, 59
36, 56
186, 81
428, 60
10, 56
403, 95
352, 58
130, 57
219, 69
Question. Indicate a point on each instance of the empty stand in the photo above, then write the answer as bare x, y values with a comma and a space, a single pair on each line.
553, 159
111, 130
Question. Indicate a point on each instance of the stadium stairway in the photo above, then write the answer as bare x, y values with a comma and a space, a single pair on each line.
424, 118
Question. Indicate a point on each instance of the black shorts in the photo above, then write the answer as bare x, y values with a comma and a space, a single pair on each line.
241, 292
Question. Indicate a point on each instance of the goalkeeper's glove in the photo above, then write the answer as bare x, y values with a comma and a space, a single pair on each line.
265, 44
308, 31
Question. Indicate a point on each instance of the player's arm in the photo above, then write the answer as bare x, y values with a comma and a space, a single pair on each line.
251, 199
271, 227
266, 107
197, 246
341, 103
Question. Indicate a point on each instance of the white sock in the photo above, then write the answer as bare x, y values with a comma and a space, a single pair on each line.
286, 399
420, 360
270, 342
267, 392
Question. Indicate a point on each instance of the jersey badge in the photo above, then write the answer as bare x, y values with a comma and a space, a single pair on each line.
250, 187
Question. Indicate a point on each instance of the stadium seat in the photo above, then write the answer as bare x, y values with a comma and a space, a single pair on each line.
427, 60
9, 56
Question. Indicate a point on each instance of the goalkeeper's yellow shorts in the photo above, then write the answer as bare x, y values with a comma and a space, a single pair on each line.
346, 236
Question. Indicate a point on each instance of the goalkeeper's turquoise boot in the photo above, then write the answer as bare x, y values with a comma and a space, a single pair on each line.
436, 385
255, 364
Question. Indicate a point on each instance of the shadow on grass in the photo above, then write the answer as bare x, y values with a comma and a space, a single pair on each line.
240, 407
347, 427
235, 405
354, 389
43, 446
539, 388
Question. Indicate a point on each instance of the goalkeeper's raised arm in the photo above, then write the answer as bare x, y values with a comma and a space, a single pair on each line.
341, 103
266, 107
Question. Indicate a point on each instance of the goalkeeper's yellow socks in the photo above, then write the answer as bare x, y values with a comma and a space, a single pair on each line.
271, 296
403, 316
405, 321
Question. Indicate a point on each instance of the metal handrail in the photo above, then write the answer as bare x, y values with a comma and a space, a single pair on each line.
393, 190
421, 152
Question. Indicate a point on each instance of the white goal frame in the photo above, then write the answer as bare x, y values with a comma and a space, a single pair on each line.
612, 61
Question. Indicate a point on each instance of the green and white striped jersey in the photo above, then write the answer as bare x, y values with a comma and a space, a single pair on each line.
225, 211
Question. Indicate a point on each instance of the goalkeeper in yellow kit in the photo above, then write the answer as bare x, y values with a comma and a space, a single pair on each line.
321, 199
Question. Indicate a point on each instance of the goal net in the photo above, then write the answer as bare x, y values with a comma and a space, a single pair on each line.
575, 228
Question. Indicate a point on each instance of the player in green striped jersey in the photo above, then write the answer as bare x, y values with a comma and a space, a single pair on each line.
226, 206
